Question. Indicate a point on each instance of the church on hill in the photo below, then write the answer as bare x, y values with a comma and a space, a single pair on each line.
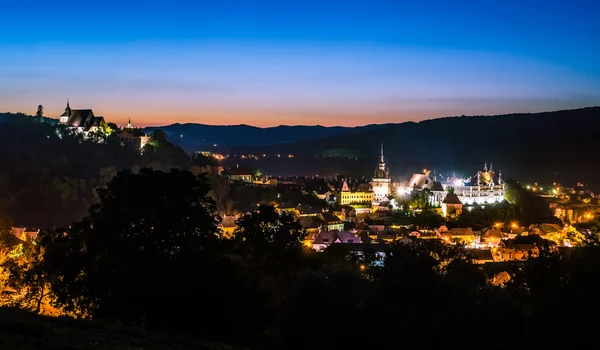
81, 120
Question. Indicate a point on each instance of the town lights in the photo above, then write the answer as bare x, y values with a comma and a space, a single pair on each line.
514, 225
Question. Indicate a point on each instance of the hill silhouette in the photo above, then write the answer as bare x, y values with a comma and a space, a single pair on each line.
199, 137
528, 146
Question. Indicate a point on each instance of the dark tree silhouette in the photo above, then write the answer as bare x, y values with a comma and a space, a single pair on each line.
135, 252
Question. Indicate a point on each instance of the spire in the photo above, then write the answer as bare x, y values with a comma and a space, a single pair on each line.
491, 167
65, 116
485, 167
129, 124
382, 153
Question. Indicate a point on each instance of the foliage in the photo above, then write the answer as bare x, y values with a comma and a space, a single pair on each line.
24, 330
147, 229
39, 114
266, 236
48, 174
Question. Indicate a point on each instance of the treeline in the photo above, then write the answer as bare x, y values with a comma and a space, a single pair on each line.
47, 178
149, 254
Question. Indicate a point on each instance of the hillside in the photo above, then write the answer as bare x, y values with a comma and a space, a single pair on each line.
49, 180
196, 137
20, 329
557, 144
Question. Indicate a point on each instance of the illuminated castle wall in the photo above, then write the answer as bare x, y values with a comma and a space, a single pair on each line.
483, 188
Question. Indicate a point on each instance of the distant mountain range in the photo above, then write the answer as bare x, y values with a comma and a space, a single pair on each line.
199, 137
560, 144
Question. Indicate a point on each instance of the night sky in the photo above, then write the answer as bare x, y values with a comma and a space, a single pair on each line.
272, 62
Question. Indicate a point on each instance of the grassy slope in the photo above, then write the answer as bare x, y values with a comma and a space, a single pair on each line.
20, 329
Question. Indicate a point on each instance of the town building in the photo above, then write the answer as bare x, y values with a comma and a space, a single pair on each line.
381, 182
464, 235
482, 188
348, 197
422, 182
241, 174
509, 250
135, 137
325, 238
81, 120
493, 237
331, 222
451, 205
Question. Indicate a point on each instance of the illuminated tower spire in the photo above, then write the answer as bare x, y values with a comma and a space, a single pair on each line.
382, 161
68, 109
129, 124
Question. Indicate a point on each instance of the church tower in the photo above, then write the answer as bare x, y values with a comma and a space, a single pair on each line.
381, 181
65, 116
129, 124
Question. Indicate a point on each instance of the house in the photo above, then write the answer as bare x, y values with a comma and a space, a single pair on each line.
325, 238
81, 120
366, 233
238, 173
375, 224
509, 250
312, 227
493, 237
463, 235
551, 232
307, 210
345, 212
331, 222
135, 137
286, 207
451, 205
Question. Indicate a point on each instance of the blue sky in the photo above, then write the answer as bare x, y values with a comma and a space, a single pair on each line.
270, 62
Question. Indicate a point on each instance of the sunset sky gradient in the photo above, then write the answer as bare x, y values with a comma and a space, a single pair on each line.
269, 62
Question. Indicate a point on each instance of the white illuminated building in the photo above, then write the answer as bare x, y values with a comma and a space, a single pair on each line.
381, 182
482, 188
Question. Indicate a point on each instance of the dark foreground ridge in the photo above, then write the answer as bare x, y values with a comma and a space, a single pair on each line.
20, 329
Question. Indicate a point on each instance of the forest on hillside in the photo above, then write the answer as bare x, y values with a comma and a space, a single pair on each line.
48, 178
543, 147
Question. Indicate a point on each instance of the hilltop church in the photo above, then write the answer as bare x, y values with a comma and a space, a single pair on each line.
81, 120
